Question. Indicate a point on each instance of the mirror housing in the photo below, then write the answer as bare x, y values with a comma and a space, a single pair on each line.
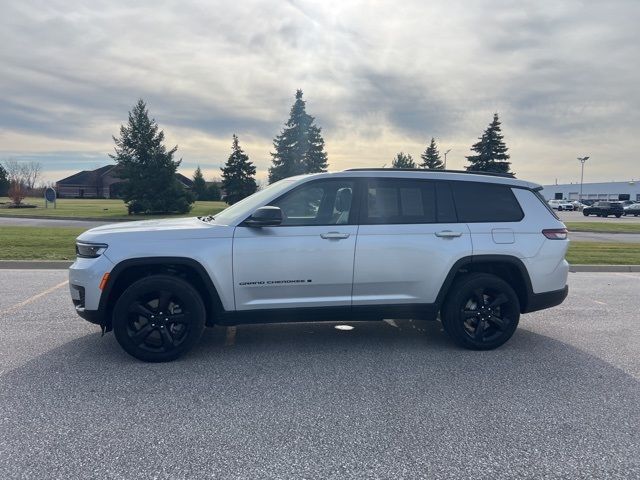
265, 217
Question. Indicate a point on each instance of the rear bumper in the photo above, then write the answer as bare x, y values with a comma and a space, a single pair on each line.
540, 301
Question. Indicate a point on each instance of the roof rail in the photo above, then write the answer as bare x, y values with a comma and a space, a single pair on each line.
473, 172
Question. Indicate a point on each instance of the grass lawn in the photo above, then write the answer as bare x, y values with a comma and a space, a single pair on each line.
38, 243
603, 227
57, 243
98, 209
597, 253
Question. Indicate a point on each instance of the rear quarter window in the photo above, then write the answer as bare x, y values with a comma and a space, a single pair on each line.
485, 203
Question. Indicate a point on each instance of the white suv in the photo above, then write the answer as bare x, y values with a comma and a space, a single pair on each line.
561, 205
475, 250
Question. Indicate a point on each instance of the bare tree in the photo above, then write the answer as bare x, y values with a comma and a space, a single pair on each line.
30, 173
14, 171
17, 192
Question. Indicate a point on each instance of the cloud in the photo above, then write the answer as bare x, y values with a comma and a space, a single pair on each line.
379, 77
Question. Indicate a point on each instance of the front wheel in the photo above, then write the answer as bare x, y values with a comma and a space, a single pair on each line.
618, 215
158, 318
481, 311
586, 214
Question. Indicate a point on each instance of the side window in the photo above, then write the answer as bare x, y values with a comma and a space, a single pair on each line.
324, 202
485, 202
399, 201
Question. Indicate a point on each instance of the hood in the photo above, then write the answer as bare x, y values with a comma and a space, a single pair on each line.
155, 230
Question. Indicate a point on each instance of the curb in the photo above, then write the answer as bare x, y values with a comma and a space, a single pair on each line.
604, 268
35, 264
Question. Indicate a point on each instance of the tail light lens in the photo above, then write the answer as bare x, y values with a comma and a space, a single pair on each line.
556, 233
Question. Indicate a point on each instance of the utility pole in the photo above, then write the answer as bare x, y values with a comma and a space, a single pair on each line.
582, 160
445, 158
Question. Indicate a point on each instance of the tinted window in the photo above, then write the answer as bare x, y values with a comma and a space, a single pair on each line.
485, 202
407, 201
317, 203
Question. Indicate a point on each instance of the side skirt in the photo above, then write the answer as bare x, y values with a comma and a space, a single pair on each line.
422, 311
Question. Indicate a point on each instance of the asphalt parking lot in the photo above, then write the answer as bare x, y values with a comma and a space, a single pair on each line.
560, 400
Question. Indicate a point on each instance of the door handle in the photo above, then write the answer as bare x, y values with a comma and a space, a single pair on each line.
334, 235
448, 234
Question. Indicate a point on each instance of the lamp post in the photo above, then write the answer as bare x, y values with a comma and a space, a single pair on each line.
582, 160
445, 158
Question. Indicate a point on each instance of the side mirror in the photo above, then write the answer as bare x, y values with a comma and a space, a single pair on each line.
265, 217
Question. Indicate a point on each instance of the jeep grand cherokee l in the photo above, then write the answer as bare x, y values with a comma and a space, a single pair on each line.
474, 250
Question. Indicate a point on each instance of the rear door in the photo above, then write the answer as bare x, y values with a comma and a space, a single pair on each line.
408, 240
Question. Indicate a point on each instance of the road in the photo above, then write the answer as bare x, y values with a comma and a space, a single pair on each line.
560, 399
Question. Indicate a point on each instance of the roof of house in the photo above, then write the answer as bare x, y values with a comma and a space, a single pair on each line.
86, 177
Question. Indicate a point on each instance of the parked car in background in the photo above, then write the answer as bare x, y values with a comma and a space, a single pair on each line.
588, 203
626, 203
561, 205
604, 209
578, 206
633, 209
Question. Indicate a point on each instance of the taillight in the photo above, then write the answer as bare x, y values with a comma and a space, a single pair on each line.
555, 233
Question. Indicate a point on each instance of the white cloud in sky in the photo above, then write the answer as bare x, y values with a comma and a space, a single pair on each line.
379, 77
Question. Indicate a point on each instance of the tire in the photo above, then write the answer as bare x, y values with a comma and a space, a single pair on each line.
559, 209
618, 215
147, 335
498, 314
586, 214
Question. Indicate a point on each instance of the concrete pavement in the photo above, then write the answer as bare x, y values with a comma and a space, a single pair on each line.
559, 400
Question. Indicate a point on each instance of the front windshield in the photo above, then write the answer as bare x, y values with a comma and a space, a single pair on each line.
247, 205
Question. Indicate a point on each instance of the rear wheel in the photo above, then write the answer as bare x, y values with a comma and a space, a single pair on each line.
586, 214
618, 215
158, 318
481, 311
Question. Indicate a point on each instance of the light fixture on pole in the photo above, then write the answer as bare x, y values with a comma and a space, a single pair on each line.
582, 160
445, 158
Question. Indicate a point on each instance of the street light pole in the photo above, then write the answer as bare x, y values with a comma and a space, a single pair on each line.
582, 160
445, 158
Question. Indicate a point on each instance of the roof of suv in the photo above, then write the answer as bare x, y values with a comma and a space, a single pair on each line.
484, 177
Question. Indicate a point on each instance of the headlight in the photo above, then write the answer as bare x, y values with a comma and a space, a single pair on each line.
90, 250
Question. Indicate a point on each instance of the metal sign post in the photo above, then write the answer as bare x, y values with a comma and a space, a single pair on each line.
49, 197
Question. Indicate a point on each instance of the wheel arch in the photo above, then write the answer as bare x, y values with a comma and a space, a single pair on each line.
509, 268
130, 270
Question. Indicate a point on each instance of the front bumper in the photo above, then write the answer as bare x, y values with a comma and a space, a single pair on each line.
85, 276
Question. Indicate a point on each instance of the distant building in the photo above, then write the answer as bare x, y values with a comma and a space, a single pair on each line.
103, 182
594, 191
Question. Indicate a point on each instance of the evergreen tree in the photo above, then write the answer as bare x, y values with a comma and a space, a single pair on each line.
300, 147
213, 192
491, 151
148, 167
431, 157
238, 175
4, 182
199, 185
403, 161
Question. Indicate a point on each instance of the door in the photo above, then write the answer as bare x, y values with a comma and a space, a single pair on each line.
408, 240
307, 261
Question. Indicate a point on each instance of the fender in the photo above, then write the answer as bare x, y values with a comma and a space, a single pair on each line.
215, 305
480, 259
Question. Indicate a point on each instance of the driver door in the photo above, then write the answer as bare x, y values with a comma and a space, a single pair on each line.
307, 261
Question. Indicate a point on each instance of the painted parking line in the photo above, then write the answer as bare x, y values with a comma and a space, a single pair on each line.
29, 300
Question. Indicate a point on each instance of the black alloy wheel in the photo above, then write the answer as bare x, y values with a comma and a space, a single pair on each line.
158, 318
481, 312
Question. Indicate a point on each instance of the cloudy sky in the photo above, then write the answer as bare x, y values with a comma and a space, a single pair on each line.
379, 76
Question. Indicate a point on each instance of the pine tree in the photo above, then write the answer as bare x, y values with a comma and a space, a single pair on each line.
199, 185
431, 157
238, 175
491, 151
403, 161
148, 167
4, 182
299, 148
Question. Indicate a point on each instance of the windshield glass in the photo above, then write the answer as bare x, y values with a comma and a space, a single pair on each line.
247, 205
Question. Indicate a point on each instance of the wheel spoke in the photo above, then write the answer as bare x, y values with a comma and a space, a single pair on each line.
167, 339
141, 335
467, 314
178, 318
140, 309
163, 301
499, 300
498, 322
479, 297
479, 332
